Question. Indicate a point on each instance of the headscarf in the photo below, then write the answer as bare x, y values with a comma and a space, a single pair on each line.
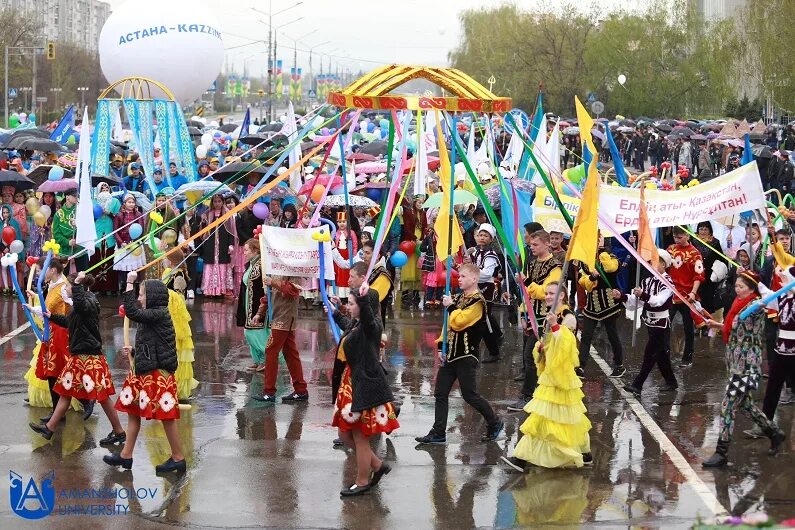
209, 216
738, 305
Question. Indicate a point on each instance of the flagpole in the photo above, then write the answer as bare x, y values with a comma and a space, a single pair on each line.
449, 236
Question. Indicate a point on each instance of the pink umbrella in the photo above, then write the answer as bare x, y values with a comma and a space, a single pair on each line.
370, 168
323, 180
58, 186
360, 157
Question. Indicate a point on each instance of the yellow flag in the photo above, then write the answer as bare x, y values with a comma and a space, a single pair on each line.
445, 237
585, 123
585, 234
646, 247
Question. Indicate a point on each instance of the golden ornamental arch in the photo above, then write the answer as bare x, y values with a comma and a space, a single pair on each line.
139, 88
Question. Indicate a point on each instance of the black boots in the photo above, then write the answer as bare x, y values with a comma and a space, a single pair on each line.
719, 459
776, 436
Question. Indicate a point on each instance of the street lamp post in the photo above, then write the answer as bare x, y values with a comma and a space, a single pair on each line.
56, 91
313, 84
82, 90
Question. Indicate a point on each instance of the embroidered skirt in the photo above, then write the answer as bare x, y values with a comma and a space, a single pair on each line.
85, 377
54, 354
369, 422
152, 396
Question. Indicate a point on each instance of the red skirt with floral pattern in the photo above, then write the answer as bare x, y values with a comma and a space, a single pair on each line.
85, 377
152, 396
369, 422
54, 354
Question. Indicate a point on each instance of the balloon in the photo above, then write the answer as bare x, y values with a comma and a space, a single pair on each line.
97, 211
193, 196
622, 79
32, 206
337, 190
217, 135
13, 122
45, 211
260, 210
9, 235
317, 193
407, 247
39, 219
23, 117
31, 260
374, 194
201, 151
32, 118
207, 139
16, 246
384, 124
399, 259
56, 173
137, 250
160, 40
169, 236
417, 251
370, 127
136, 230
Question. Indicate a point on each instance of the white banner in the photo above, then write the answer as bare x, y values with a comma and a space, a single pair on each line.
293, 252
730, 194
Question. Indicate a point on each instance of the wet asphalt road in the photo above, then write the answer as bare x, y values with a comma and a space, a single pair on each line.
252, 464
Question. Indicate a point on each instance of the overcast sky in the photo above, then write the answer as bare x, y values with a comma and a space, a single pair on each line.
354, 34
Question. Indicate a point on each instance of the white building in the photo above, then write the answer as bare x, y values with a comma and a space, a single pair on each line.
717, 10
68, 21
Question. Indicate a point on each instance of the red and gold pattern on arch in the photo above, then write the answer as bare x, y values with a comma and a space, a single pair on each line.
372, 91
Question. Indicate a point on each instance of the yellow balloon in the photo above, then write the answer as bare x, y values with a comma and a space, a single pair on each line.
193, 196
169, 236
39, 219
138, 250
32, 206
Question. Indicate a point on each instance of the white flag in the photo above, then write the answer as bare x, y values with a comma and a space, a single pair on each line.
290, 130
540, 152
421, 171
86, 236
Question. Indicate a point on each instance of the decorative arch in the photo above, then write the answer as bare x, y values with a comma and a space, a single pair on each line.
372, 91
138, 88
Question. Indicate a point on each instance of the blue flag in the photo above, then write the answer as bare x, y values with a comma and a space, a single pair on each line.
526, 168
748, 156
618, 163
245, 126
65, 128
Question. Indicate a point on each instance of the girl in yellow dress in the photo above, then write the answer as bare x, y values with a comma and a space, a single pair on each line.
176, 279
556, 432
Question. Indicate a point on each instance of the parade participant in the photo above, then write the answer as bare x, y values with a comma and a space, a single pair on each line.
467, 324
129, 255
342, 239
203, 169
743, 339
363, 405
217, 277
711, 252
289, 216
64, 231
275, 213
50, 357
379, 280
656, 299
86, 375
310, 287
284, 300
487, 260
107, 280
252, 291
40, 233
150, 389
177, 179
136, 179
7, 221
176, 278
164, 207
542, 271
556, 246
555, 434
20, 214
160, 184
687, 273
600, 307
117, 166
430, 297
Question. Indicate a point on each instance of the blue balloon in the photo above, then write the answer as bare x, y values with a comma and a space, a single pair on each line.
374, 194
370, 127
399, 259
97, 211
32, 118
384, 123
384, 133
135, 231
56, 173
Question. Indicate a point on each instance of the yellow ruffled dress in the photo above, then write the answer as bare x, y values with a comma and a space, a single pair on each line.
181, 318
556, 432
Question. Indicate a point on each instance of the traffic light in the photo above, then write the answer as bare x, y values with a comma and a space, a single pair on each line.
50, 51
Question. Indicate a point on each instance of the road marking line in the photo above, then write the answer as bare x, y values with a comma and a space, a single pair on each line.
668, 447
11, 334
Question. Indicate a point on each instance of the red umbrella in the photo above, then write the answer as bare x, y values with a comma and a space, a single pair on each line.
323, 180
361, 157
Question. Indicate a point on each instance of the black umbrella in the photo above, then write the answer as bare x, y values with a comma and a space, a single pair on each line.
256, 139
42, 172
307, 146
626, 122
664, 127
194, 123
40, 144
17, 180
227, 127
683, 131
761, 151
111, 180
241, 171
194, 131
376, 148
272, 127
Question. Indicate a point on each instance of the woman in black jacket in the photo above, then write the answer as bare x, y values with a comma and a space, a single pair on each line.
252, 293
364, 401
150, 390
86, 375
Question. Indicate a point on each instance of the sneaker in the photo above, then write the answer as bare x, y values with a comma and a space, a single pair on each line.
337, 443
493, 432
687, 360
117, 460
587, 459
295, 397
41, 429
517, 464
432, 439
632, 390
199, 291
519, 405
170, 465
618, 371
580, 372
114, 438
266, 398
190, 295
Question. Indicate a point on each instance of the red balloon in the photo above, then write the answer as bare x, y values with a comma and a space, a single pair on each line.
9, 235
122, 312
31, 260
408, 247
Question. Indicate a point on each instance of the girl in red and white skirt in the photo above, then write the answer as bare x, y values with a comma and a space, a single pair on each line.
86, 375
363, 405
150, 390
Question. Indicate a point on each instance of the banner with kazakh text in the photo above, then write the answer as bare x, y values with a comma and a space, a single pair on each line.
293, 252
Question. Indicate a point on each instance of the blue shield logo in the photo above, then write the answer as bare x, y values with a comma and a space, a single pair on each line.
32, 500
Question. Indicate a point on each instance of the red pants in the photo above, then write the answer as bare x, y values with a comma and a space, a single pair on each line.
283, 341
